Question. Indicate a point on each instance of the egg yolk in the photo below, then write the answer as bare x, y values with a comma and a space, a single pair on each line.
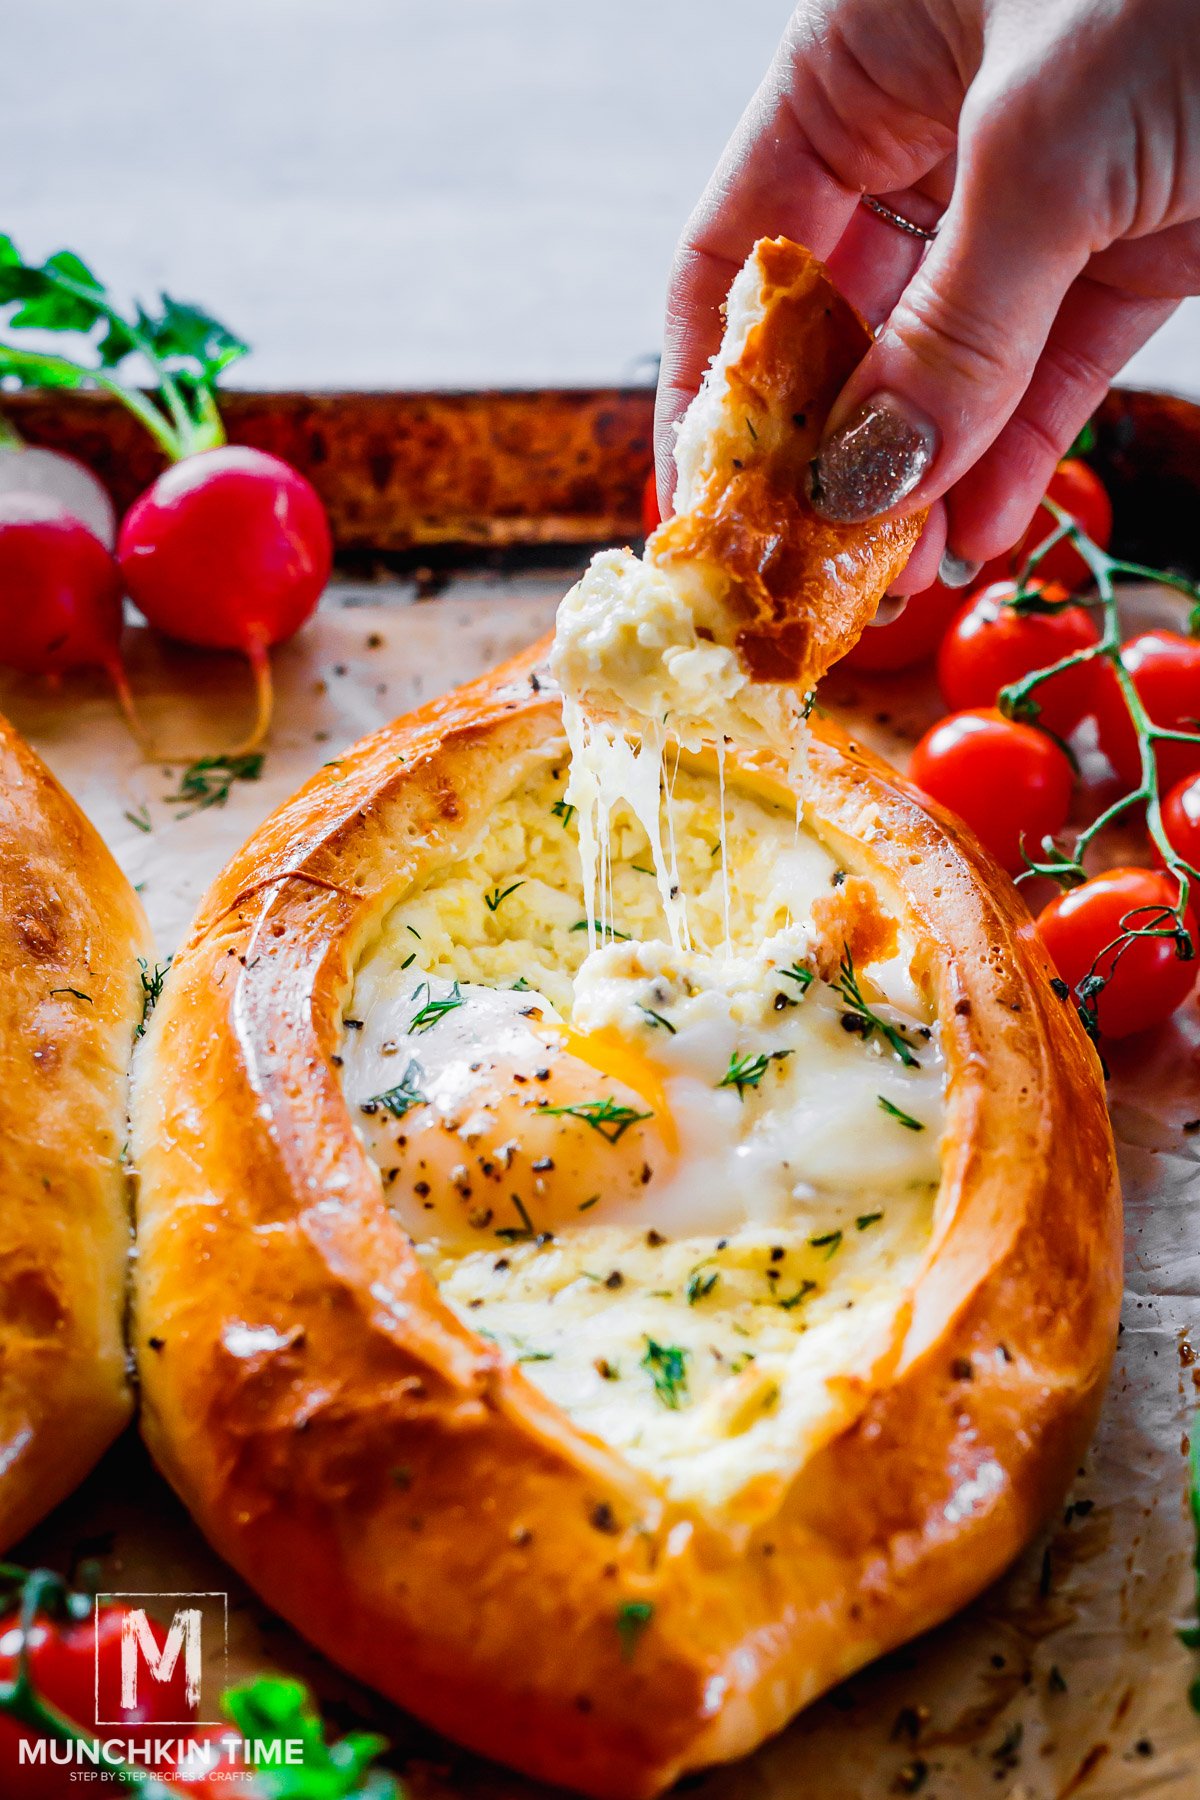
502, 1151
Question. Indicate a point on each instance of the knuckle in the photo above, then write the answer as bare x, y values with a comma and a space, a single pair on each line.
1032, 450
952, 336
1079, 379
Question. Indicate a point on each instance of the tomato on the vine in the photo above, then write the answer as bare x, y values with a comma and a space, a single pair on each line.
66, 1660
1181, 819
1079, 491
1165, 667
909, 639
991, 644
1145, 978
1008, 781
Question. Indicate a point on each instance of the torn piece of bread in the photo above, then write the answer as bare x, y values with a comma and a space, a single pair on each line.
747, 595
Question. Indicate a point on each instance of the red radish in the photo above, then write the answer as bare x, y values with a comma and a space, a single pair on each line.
29, 469
229, 549
60, 595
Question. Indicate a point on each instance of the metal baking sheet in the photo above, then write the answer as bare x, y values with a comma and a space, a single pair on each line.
1066, 1678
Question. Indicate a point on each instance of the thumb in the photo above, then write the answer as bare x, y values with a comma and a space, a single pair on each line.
957, 353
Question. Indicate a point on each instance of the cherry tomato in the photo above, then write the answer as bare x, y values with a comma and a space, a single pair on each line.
63, 1666
1008, 781
990, 644
1079, 491
1166, 673
910, 639
1144, 981
229, 549
1181, 819
651, 517
60, 590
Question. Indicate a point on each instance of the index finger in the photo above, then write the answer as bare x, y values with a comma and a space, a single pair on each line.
770, 182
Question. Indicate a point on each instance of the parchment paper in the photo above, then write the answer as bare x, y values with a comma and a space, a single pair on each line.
1067, 1677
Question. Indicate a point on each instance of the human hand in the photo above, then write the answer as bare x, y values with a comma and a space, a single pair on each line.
1056, 145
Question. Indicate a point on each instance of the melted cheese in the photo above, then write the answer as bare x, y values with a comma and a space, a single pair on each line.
641, 672
640, 645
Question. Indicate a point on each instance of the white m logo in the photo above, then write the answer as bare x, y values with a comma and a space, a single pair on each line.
138, 1644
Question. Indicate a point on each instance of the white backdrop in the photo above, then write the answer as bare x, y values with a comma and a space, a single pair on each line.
393, 192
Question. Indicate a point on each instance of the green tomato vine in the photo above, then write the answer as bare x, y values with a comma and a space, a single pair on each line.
1017, 701
184, 348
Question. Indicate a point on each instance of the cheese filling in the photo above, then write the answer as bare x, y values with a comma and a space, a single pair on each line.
642, 677
686, 1186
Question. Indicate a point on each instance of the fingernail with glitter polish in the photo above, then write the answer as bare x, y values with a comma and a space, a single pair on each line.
957, 571
872, 461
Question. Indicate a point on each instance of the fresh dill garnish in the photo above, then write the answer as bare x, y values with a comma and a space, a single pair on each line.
641, 869
667, 1364
751, 430
863, 1019
152, 986
607, 1116
492, 900
802, 1292
865, 1219
604, 930
76, 994
700, 1284
520, 1347
414, 931
828, 1241
434, 1010
586, 1205
208, 781
403, 1097
520, 986
803, 977
140, 819
562, 809
747, 1071
895, 1112
409, 960
633, 1616
656, 1018
525, 1231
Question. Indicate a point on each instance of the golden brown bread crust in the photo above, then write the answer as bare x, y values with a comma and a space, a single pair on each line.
801, 588
71, 931
403, 1494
